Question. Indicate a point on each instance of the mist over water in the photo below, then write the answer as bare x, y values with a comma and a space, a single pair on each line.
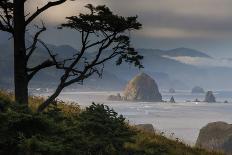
181, 120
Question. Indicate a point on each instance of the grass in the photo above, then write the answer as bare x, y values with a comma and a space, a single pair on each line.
35, 101
147, 143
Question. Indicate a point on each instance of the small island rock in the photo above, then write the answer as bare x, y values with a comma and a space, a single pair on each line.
196, 100
172, 90
198, 90
115, 97
209, 97
145, 127
172, 100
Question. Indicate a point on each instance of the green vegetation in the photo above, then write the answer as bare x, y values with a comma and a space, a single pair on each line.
97, 130
157, 144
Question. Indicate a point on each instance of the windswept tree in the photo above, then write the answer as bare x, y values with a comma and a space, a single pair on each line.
100, 30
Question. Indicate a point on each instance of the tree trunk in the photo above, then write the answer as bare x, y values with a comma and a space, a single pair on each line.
51, 98
20, 62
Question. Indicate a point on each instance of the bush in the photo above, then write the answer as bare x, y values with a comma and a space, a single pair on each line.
97, 130
105, 132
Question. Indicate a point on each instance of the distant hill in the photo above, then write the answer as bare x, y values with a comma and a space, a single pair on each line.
50, 77
178, 75
169, 73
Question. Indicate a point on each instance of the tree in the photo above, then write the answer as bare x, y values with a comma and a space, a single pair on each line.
100, 30
14, 20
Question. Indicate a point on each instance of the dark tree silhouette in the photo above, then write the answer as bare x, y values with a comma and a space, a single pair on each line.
14, 20
100, 30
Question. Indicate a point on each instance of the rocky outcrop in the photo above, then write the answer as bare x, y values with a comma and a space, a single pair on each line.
216, 136
145, 127
172, 90
209, 97
198, 90
172, 100
196, 100
115, 97
142, 88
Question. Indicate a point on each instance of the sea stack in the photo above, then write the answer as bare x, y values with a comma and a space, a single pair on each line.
209, 97
172, 90
115, 97
198, 90
172, 100
142, 88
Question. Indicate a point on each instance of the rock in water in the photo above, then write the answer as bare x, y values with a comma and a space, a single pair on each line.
196, 100
198, 90
172, 90
115, 97
209, 97
216, 136
146, 127
172, 100
142, 88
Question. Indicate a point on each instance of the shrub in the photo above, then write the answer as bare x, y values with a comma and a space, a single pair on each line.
97, 130
105, 132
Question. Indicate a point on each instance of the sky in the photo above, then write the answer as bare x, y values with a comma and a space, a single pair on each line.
204, 25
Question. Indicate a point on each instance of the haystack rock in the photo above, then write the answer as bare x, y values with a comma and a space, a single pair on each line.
198, 90
142, 88
209, 97
216, 136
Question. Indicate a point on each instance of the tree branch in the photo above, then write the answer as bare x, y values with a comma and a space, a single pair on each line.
35, 41
42, 9
4, 28
45, 64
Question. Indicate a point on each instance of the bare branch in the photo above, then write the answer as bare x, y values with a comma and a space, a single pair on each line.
4, 28
35, 41
42, 9
45, 64
59, 64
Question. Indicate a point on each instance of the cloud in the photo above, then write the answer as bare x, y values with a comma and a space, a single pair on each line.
57, 14
203, 62
178, 33
200, 24
184, 18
